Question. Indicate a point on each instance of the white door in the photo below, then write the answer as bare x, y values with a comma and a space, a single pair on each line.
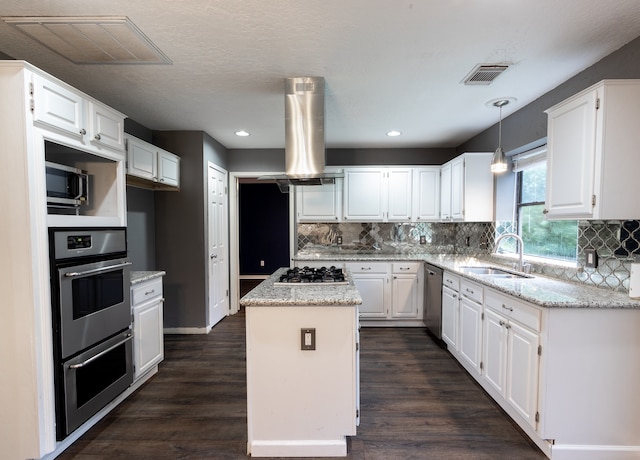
522, 371
218, 257
399, 195
405, 296
450, 305
470, 322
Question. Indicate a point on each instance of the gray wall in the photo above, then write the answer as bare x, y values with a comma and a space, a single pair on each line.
141, 235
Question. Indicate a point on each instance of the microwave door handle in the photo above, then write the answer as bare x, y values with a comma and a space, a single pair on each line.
96, 270
102, 353
80, 186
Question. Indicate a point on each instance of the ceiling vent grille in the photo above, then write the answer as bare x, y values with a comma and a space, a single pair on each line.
484, 74
91, 40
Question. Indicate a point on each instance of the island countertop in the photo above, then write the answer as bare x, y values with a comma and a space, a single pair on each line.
266, 294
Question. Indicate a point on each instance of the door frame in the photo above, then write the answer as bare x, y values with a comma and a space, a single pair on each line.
234, 232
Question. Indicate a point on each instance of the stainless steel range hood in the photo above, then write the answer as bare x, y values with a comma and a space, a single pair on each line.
304, 134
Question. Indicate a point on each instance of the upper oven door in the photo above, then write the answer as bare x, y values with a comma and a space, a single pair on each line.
94, 303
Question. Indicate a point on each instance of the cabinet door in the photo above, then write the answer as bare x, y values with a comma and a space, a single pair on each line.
457, 189
494, 353
168, 168
445, 191
426, 194
59, 107
571, 158
320, 203
148, 349
404, 295
522, 371
470, 344
399, 195
373, 289
141, 159
363, 195
106, 126
450, 307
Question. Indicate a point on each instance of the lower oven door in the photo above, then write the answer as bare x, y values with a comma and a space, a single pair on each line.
93, 379
94, 303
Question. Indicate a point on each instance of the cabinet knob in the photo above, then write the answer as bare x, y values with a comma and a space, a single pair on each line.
97, 137
545, 211
83, 131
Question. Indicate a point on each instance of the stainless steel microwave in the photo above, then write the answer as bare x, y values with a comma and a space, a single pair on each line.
66, 186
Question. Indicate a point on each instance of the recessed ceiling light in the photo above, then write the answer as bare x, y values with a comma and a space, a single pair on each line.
242, 133
394, 133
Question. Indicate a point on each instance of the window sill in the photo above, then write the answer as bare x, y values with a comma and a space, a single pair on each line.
511, 258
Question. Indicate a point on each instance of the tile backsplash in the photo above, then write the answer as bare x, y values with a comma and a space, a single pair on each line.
616, 243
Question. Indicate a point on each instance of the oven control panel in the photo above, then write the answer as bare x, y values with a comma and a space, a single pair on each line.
78, 241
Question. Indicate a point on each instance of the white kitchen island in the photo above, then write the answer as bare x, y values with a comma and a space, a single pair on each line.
302, 368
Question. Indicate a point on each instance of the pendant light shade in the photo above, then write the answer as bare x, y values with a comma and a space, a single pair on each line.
499, 161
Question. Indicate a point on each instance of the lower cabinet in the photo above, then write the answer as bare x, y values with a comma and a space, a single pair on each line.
148, 341
407, 290
511, 359
372, 281
470, 325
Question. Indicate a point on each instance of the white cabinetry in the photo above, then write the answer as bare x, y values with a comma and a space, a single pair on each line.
511, 358
470, 325
466, 188
407, 290
426, 194
319, 203
372, 281
159, 169
148, 341
450, 309
60, 107
377, 195
592, 153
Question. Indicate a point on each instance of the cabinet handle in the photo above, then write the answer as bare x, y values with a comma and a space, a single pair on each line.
83, 131
507, 308
545, 211
455, 296
502, 323
405, 268
469, 290
97, 137
365, 268
150, 292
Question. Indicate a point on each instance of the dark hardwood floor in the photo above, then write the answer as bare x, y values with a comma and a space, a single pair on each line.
416, 403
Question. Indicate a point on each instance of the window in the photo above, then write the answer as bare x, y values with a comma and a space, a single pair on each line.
542, 238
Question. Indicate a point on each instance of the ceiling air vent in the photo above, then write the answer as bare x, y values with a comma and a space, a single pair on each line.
91, 40
484, 74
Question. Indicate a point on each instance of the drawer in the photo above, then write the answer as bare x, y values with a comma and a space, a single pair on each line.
451, 281
146, 291
368, 267
514, 309
471, 290
407, 267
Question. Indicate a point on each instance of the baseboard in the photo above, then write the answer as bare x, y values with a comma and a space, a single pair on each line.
298, 448
594, 452
186, 330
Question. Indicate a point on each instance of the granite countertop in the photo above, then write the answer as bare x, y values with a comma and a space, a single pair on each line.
539, 290
268, 295
142, 276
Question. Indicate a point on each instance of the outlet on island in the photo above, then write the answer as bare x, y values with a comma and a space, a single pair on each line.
262, 263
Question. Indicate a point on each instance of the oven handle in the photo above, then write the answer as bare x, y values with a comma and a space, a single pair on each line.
96, 270
103, 352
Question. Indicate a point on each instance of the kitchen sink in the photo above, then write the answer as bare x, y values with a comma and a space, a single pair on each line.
494, 272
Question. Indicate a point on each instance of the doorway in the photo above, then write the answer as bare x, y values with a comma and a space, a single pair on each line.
262, 232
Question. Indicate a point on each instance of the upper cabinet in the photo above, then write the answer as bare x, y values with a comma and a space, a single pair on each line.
60, 107
426, 194
377, 194
319, 203
466, 188
158, 169
592, 153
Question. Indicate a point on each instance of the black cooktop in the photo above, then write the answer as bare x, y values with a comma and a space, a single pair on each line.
307, 275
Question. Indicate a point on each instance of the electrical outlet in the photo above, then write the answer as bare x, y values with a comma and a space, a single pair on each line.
339, 240
262, 263
590, 258
308, 338
423, 239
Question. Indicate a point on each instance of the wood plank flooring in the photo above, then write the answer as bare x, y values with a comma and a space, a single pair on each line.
416, 403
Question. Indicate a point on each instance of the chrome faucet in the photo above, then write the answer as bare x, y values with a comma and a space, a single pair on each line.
520, 246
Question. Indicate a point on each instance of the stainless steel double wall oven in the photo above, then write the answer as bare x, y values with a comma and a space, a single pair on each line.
90, 290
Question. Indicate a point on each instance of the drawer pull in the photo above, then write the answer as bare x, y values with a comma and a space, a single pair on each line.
150, 292
507, 308
365, 268
405, 268
469, 290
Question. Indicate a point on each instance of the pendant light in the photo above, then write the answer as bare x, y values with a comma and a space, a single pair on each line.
499, 162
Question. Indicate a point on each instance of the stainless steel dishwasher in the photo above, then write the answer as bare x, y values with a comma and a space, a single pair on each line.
433, 300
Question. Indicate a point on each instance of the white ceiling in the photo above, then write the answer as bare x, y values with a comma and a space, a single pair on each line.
388, 64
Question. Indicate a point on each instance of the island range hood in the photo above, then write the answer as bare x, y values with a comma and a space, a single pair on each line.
304, 134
